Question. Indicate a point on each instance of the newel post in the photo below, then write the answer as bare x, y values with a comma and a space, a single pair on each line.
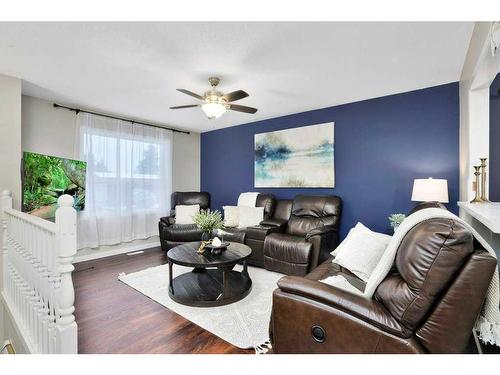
6, 204
66, 244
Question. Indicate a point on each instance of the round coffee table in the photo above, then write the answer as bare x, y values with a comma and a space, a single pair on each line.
212, 282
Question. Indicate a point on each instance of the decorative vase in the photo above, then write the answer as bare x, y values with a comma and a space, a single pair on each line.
206, 235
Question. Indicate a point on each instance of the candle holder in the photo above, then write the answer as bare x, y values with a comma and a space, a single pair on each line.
483, 180
477, 173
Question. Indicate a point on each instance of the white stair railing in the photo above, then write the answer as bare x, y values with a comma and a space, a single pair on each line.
37, 285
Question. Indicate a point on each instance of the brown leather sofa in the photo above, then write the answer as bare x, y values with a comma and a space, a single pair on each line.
267, 201
172, 234
427, 304
308, 237
275, 223
307, 230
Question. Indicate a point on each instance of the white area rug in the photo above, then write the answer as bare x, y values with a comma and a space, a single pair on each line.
244, 324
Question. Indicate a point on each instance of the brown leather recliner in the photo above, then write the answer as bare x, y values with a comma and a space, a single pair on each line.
428, 304
172, 234
311, 233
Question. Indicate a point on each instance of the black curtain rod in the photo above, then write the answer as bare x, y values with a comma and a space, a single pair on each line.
77, 110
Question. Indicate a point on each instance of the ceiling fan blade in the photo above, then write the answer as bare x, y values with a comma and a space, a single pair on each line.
185, 106
235, 95
242, 108
190, 93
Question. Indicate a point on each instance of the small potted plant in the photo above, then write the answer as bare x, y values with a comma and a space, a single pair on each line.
395, 220
208, 221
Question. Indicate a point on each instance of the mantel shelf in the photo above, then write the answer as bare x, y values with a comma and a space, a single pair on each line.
486, 213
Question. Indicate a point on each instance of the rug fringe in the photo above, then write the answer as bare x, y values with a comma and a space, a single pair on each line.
263, 348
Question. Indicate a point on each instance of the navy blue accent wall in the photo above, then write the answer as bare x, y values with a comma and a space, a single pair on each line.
494, 162
381, 145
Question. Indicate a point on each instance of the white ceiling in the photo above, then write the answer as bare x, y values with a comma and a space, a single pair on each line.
133, 69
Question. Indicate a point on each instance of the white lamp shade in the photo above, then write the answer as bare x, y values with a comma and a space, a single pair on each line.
430, 190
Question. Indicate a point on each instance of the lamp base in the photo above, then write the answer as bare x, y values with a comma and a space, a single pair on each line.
422, 205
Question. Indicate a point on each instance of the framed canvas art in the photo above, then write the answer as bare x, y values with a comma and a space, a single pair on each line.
296, 158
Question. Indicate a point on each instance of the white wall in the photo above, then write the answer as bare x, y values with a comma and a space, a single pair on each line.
480, 68
10, 156
51, 131
10, 136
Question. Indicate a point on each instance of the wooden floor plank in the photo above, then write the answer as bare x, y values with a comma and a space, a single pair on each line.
114, 318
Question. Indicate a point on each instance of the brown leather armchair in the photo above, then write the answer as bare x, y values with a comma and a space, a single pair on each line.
428, 304
311, 233
172, 234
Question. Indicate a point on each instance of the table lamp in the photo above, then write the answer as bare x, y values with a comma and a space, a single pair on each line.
430, 192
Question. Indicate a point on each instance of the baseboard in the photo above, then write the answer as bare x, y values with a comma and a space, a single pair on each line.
98, 254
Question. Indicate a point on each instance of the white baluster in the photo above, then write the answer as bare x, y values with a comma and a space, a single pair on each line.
6, 204
66, 245
36, 260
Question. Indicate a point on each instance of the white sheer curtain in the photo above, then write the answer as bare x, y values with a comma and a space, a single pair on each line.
129, 179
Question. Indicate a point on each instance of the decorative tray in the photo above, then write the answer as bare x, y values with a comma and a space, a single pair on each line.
222, 246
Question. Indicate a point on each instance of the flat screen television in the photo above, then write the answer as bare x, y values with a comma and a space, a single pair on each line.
45, 178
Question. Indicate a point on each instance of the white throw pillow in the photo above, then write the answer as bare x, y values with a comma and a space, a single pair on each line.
184, 213
231, 216
250, 216
361, 251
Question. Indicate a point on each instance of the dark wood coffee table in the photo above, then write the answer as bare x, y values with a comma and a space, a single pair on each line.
212, 281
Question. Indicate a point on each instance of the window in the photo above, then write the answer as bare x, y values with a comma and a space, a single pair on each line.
128, 178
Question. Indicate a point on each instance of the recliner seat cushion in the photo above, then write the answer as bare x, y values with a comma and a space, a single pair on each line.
259, 232
182, 233
287, 248
234, 235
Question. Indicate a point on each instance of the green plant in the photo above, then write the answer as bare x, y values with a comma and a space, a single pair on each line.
208, 220
46, 178
396, 220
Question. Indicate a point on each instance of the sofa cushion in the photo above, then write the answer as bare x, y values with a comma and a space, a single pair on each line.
234, 235
250, 216
361, 251
287, 248
231, 216
184, 214
182, 233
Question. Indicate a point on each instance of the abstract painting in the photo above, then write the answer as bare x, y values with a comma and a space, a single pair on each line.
297, 158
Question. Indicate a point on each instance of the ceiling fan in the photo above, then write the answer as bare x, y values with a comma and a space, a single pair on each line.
215, 102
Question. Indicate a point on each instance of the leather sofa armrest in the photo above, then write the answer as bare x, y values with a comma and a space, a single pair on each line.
274, 222
324, 239
168, 220
367, 310
319, 231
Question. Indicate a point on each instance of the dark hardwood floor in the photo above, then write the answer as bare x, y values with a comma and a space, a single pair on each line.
114, 318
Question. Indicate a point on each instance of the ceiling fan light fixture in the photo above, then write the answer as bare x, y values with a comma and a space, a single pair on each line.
213, 110
217, 103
